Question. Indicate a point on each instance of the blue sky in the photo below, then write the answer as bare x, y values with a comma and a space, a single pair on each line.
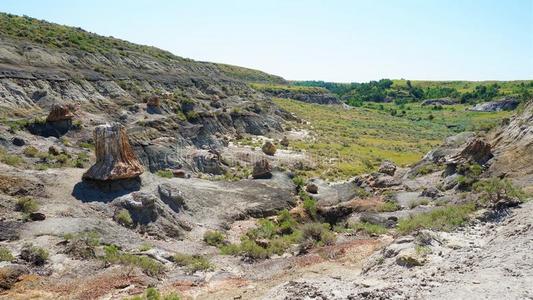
331, 40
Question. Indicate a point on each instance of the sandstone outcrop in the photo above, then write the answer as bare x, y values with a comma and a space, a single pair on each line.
498, 105
60, 113
387, 167
115, 158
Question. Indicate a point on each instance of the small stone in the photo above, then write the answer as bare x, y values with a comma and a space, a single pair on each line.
284, 141
387, 167
312, 188
269, 148
37, 216
53, 151
262, 169
17, 141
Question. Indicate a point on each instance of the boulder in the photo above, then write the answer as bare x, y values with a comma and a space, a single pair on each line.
19, 142
209, 162
312, 188
262, 169
269, 148
439, 101
10, 274
151, 215
476, 151
171, 196
115, 158
284, 141
53, 151
387, 167
431, 192
60, 113
498, 105
37, 216
153, 105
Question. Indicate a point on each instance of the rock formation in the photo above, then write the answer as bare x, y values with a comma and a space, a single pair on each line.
498, 105
262, 169
387, 167
284, 141
153, 105
269, 148
115, 158
59, 113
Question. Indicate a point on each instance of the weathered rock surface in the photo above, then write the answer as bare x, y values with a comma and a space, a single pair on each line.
387, 167
115, 158
498, 105
440, 101
60, 113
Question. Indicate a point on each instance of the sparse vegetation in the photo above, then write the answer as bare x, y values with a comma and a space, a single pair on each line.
148, 265
153, 294
164, 173
26, 205
446, 218
214, 238
123, 217
192, 263
33, 254
370, 229
389, 206
494, 190
5, 254
30, 151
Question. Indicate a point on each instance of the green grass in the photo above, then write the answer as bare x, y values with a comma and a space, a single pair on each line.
123, 217
214, 238
288, 88
371, 229
192, 263
164, 173
27, 205
349, 142
148, 265
5, 254
389, 206
445, 219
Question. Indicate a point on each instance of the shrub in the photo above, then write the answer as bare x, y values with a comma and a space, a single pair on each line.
154, 294
265, 230
318, 233
494, 189
33, 254
309, 204
148, 265
123, 217
214, 238
82, 245
362, 193
389, 206
371, 229
5, 254
298, 181
164, 173
10, 159
30, 151
192, 263
191, 115
286, 223
446, 218
27, 205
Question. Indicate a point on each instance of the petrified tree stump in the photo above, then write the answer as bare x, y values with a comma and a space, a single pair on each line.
115, 158
60, 113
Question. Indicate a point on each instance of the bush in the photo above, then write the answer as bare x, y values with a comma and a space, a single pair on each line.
10, 159
5, 254
446, 219
389, 206
34, 255
309, 204
214, 238
494, 190
30, 151
148, 265
123, 217
26, 205
370, 229
154, 294
192, 263
286, 223
318, 233
82, 245
165, 173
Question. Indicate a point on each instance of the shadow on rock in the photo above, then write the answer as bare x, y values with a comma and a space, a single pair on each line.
104, 191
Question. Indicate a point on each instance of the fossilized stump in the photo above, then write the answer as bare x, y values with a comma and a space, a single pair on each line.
60, 113
115, 158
